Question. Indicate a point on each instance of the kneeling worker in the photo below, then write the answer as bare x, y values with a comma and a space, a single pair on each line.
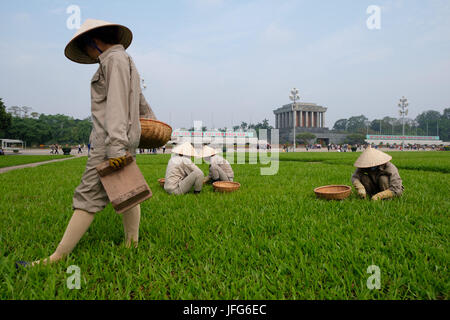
181, 173
376, 176
219, 168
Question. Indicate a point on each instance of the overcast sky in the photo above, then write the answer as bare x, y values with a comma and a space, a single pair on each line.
227, 61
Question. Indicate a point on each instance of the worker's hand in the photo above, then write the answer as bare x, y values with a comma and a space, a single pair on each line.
386, 194
360, 189
118, 163
362, 193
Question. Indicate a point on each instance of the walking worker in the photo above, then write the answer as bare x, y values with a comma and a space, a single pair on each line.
117, 104
181, 173
376, 176
219, 168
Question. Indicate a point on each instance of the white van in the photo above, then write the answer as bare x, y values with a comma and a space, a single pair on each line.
11, 145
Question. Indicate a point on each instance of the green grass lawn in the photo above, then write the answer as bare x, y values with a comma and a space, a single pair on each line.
272, 239
17, 160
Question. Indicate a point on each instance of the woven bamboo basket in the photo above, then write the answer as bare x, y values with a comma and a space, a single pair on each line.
154, 133
333, 192
226, 186
161, 182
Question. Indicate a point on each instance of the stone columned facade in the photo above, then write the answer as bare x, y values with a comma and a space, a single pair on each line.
308, 117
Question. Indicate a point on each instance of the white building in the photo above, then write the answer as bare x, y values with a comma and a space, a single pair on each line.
399, 140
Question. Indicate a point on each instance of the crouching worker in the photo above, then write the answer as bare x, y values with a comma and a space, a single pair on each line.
376, 176
181, 173
117, 104
219, 168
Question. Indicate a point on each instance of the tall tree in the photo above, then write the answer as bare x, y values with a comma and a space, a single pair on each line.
444, 125
357, 124
428, 122
446, 114
244, 126
341, 124
5, 119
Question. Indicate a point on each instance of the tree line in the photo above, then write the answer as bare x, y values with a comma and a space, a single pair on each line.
428, 123
36, 129
244, 126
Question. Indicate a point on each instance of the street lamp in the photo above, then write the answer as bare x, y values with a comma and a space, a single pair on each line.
294, 97
403, 105
367, 123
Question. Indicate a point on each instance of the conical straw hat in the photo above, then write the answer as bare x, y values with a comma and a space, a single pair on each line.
208, 152
74, 53
185, 149
372, 158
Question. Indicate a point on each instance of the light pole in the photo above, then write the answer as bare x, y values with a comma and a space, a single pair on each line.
403, 105
367, 123
294, 97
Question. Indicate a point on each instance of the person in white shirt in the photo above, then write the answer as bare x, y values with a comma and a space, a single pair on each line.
219, 168
181, 173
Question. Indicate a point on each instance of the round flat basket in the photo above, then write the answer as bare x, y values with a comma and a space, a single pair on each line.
226, 186
161, 182
334, 192
154, 133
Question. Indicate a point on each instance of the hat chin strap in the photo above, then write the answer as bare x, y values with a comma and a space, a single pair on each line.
94, 45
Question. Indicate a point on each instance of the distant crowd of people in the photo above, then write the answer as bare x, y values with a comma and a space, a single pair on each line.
345, 147
412, 147
152, 151
54, 148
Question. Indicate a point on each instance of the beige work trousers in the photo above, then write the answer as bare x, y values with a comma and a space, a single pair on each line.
216, 173
194, 179
90, 195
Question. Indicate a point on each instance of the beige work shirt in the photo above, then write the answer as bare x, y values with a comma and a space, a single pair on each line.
117, 104
178, 168
223, 164
388, 169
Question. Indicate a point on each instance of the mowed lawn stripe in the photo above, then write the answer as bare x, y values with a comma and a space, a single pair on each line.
17, 160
